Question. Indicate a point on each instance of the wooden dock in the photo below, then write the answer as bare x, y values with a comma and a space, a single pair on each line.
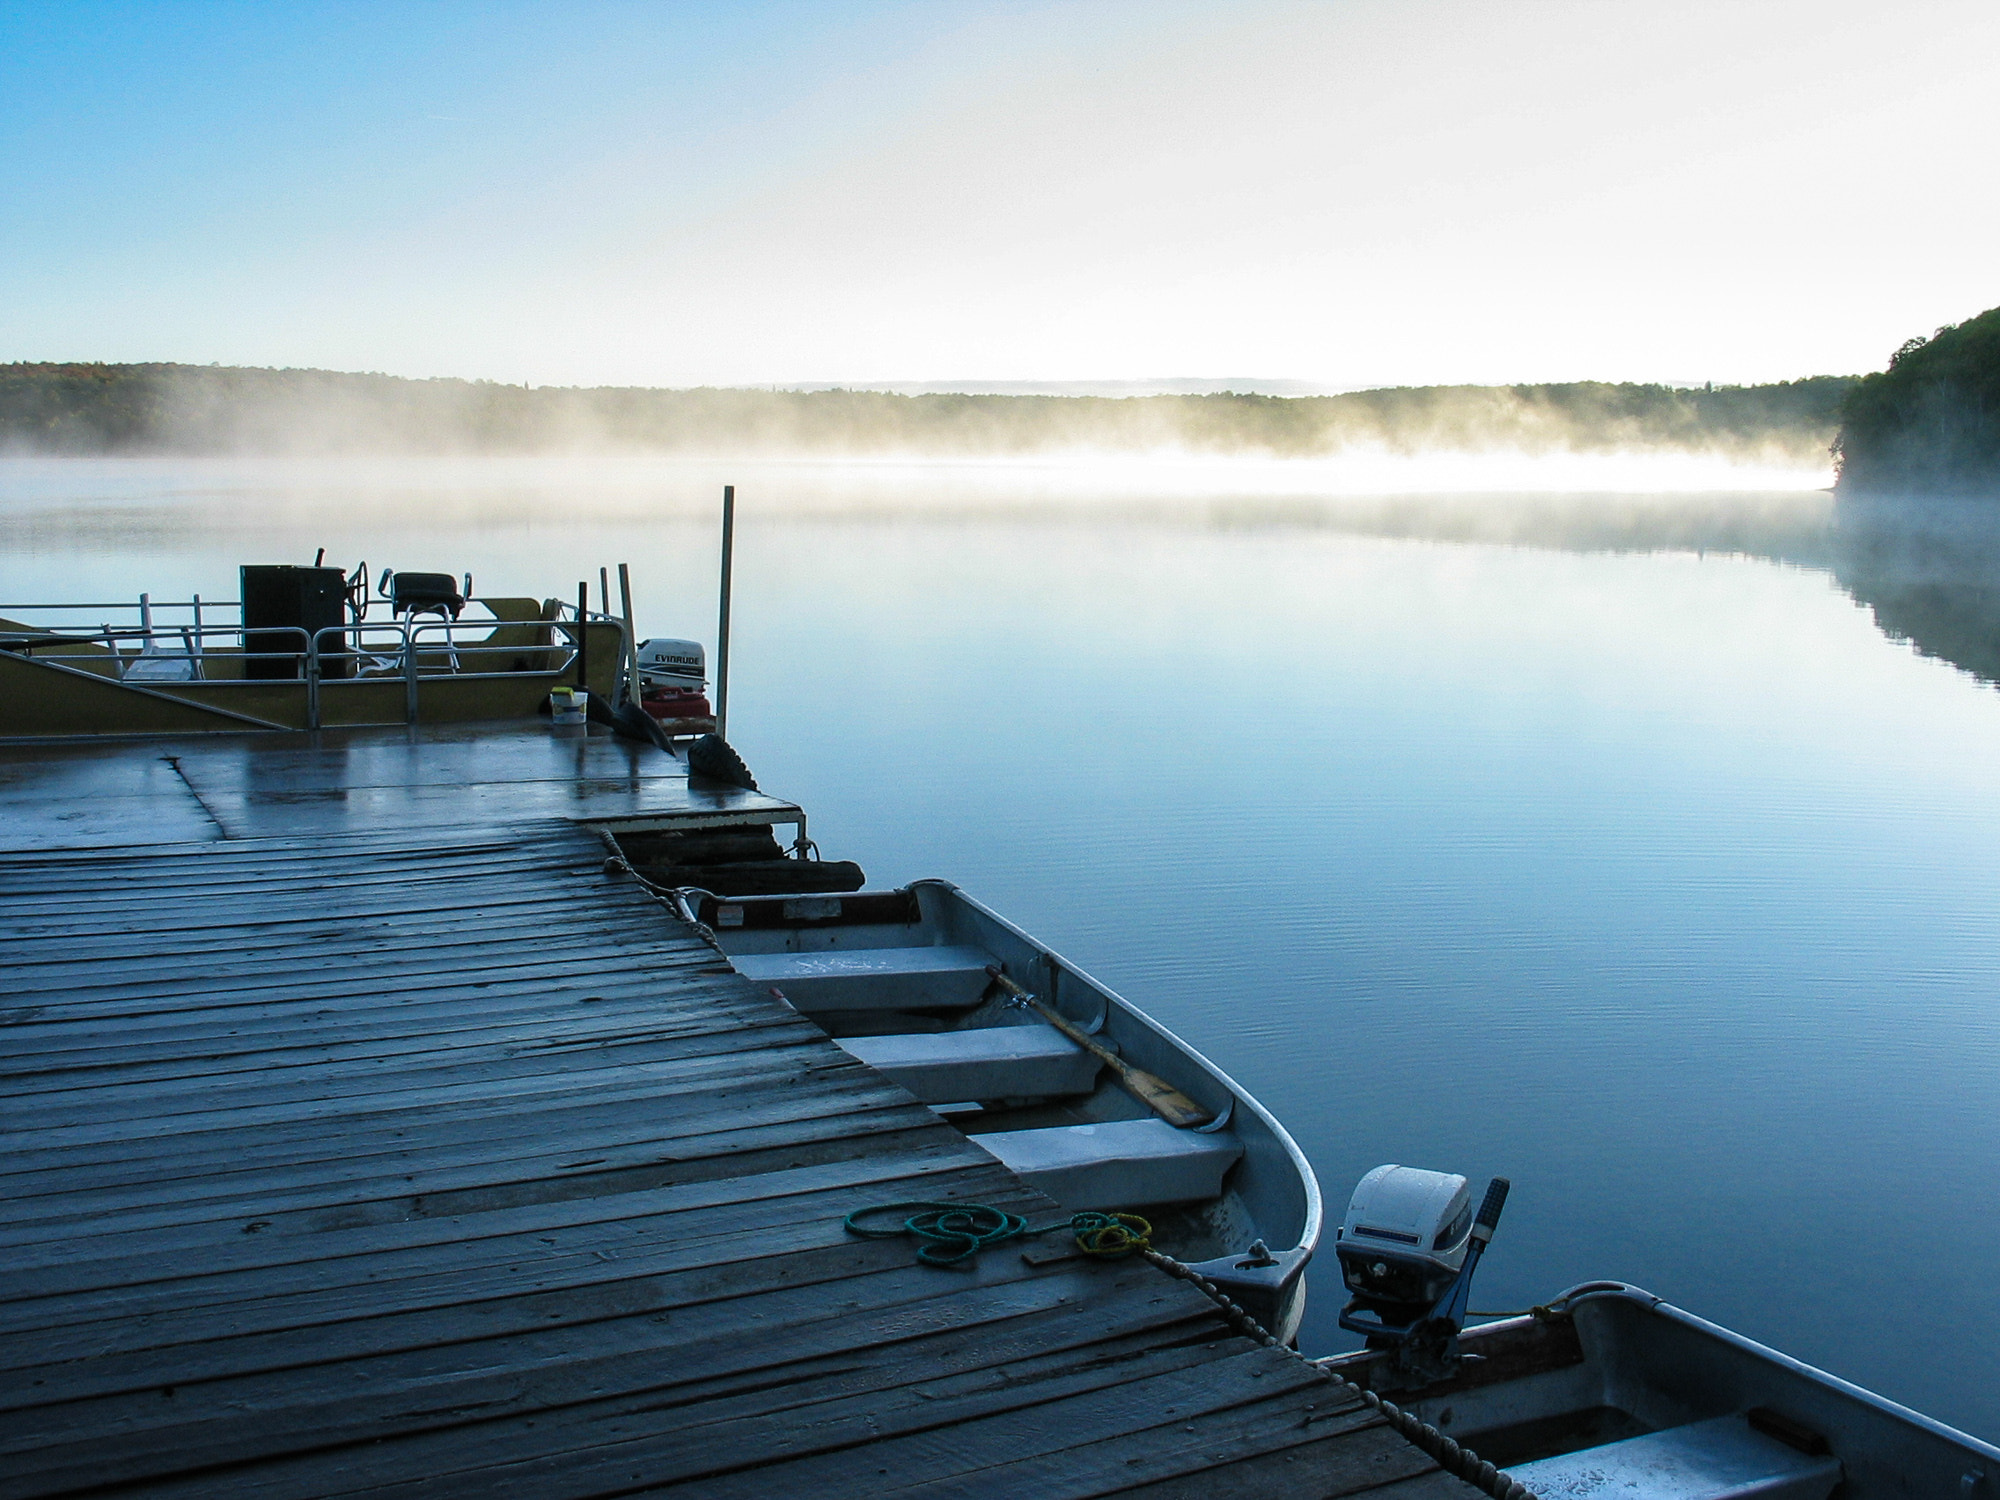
410, 1151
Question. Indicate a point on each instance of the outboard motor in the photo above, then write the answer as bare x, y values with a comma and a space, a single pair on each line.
1408, 1248
673, 679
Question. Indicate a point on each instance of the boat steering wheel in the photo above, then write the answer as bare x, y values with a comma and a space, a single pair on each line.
357, 592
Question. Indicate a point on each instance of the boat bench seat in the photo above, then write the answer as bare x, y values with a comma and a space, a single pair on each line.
873, 978
1721, 1459
1119, 1164
990, 1062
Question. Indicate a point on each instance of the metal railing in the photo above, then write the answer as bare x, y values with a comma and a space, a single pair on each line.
411, 649
183, 659
387, 649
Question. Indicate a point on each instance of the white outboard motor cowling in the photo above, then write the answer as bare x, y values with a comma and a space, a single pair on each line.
1405, 1235
673, 664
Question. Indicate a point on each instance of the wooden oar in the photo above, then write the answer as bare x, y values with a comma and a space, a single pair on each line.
1168, 1102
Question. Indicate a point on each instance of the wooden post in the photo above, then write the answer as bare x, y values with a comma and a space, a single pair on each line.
631, 635
583, 635
604, 608
722, 624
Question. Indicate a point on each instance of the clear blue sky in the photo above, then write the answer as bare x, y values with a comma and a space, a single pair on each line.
1345, 193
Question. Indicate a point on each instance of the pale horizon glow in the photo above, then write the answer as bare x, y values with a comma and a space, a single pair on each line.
1340, 194
658, 487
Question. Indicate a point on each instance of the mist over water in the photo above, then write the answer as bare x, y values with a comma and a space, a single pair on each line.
1597, 835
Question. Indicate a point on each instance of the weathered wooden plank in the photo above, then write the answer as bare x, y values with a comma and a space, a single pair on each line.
162, 1222
476, 1174
873, 1365
413, 1096
226, 1086
521, 997
1435, 1485
597, 1449
1331, 1463
765, 1321
169, 983
609, 1010
1080, 1447
102, 893
494, 1166
641, 1231
304, 939
307, 1248
443, 967
303, 914
80, 871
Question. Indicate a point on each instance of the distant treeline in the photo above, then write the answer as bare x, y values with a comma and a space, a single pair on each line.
110, 409
1930, 423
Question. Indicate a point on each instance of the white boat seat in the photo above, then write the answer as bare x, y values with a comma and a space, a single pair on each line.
989, 1062
873, 978
1721, 1459
1119, 1164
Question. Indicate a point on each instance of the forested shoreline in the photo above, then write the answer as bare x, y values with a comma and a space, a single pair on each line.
1929, 424
79, 409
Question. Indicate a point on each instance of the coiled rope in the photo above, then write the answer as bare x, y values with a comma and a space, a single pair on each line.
949, 1233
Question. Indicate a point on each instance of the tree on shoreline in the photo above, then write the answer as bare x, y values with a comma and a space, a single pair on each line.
1930, 423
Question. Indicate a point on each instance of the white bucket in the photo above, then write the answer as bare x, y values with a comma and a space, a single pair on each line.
569, 706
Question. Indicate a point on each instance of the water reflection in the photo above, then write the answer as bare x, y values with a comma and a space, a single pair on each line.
1787, 526
1927, 568
1930, 571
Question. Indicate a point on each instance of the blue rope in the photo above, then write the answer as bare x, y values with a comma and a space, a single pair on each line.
950, 1233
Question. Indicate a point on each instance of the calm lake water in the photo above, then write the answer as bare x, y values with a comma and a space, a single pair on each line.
1604, 843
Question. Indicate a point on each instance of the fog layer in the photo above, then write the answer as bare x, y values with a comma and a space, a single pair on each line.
112, 409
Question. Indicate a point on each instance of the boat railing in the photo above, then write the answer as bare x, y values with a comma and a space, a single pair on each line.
414, 650
146, 620
155, 649
152, 651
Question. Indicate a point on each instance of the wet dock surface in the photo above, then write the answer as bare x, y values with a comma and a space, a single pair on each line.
99, 793
407, 1153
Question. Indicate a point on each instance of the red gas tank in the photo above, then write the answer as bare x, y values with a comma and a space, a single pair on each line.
665, 703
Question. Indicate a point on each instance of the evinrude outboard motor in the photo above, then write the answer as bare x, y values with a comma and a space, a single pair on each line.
1407, 1249
673, 680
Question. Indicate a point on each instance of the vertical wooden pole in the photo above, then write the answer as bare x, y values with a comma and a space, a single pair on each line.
604, 608
583, 635
631, 635
722, 624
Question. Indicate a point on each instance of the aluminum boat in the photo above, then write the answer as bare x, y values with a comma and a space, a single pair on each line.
1611, 1392
1076, 1090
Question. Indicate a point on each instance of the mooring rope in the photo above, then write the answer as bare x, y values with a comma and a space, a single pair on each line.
1450, 1455
949, 1234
